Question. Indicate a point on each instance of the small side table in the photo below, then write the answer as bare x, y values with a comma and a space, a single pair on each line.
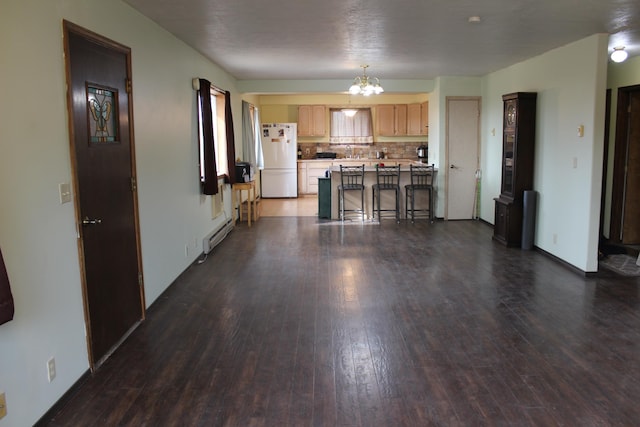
236, 199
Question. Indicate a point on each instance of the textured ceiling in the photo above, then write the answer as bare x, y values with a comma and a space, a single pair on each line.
399, 39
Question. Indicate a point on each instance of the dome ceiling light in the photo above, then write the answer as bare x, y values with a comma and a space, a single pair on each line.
619, 54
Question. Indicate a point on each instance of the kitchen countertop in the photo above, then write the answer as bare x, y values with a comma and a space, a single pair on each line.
358, 160
353, 198
372, 168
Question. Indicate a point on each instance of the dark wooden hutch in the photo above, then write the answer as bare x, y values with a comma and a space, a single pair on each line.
518, 137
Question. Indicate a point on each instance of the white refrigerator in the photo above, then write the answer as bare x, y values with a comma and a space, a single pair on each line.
279, 178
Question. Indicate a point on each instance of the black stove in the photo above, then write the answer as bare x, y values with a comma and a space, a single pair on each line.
326, 155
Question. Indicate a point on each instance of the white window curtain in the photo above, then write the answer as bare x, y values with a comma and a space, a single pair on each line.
258, 138
351, 130
251, 136
248, 135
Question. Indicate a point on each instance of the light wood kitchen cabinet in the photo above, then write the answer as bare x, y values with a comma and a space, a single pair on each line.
308, 174
316, 170
414, 119
392, 119
311, 120
302, 178
418, 119
424, 118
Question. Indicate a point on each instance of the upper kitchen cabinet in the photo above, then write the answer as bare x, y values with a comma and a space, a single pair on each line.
392, 119
424, 118
403, 119
418, 119
311, 120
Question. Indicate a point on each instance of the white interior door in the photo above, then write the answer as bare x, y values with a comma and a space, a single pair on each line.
463, 130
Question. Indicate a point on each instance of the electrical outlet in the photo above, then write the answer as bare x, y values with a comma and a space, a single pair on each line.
307, 151
186, 250
555, 238
3, 405
51, 369
384, 149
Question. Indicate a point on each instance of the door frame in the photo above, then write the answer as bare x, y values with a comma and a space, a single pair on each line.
68, 28
447, 155
619, 162
605, 162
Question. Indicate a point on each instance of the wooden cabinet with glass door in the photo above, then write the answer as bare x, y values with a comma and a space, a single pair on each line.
518, 137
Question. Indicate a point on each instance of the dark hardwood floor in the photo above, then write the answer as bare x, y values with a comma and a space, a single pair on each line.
297, 323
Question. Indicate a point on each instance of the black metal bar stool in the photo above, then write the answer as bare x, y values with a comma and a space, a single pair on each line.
351, 179
421, 180
387, 178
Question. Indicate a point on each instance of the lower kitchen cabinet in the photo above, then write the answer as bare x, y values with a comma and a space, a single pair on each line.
302, 178
316, 170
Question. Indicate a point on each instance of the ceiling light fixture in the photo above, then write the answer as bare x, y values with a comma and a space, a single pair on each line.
365, 85
349, 111
618, 54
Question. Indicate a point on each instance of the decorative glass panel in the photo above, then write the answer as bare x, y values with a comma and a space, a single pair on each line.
507, 170
103, 115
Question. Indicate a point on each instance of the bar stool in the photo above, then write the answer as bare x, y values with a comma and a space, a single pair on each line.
351, 179
387, 178
421, 180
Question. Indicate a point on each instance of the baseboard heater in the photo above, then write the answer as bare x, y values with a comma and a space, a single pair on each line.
215, 237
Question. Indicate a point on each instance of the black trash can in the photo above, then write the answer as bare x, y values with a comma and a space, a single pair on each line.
324, 198
528, 219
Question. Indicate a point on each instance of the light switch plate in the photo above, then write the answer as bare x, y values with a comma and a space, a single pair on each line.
51, 369
65, 192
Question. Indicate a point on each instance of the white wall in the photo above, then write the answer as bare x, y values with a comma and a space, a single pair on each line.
570, 82
37, 233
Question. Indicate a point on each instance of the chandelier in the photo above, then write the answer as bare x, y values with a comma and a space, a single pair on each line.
365, 85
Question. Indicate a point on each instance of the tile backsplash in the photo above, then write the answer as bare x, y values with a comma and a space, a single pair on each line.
395, 150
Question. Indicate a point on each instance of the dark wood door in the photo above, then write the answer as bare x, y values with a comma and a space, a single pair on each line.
631, 223
100, 124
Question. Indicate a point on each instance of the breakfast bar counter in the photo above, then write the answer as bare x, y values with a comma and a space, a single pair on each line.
352, 198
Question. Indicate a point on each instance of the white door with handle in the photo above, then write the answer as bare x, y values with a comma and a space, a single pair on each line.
463, 134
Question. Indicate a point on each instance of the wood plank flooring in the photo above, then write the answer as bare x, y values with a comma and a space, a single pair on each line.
296, 322
302, 206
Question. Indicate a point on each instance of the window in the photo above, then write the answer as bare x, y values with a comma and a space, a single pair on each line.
357, 129
219, 134
216, 136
